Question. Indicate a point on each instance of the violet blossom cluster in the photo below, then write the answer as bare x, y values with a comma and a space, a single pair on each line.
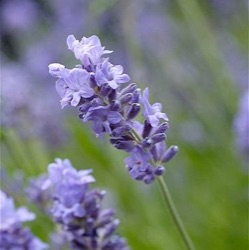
12, 234
96, 88
77, 208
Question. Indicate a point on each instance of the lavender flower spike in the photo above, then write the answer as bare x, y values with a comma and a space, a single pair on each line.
12, 234
98, 91
77, 208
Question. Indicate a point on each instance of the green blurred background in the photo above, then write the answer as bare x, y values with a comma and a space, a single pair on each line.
192, 55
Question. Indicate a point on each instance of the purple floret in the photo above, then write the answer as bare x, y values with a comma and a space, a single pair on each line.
88, 50
110, 74
152, 113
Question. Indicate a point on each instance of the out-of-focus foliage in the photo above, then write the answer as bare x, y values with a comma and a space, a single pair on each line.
191, 54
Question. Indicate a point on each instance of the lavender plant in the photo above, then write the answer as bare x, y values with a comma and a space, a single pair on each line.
12, 234
95, 87
77, 208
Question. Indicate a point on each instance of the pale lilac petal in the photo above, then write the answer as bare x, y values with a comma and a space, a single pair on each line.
76, 99
117, 69
157, 107
70, 41
153, 120
60, 86
122, 78
113, 84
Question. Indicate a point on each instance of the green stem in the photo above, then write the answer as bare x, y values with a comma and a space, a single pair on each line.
174, 213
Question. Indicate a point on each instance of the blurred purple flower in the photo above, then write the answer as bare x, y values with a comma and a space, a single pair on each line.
12, 234
241, 124
10, 215
36, 120
78, 209
69, 183
39, 193
18, 16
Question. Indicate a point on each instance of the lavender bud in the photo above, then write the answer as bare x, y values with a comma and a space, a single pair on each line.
122, 144
134, 110
148, 179
105, 90
110, 228
119, 131
169, 154
126, 98
147, 142
161, 128
129, 89
136, 96
115, 106
105, 217
92, 80
147, 129
159, 170
112, 95
158, 138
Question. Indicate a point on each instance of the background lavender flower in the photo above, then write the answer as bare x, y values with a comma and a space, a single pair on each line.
78, 210
12, 234
39, 193
23, 110
241, 125
111, 108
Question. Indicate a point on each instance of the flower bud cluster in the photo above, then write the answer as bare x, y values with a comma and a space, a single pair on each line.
95, 86
12, 234
77, 208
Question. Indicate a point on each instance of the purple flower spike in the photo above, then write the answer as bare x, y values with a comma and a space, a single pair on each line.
152, 112
77, 208
10, 215
12, 234
96, 87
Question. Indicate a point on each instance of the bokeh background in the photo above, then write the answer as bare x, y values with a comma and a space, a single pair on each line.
192, 54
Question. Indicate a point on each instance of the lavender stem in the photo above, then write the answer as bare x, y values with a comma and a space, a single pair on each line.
179, 224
